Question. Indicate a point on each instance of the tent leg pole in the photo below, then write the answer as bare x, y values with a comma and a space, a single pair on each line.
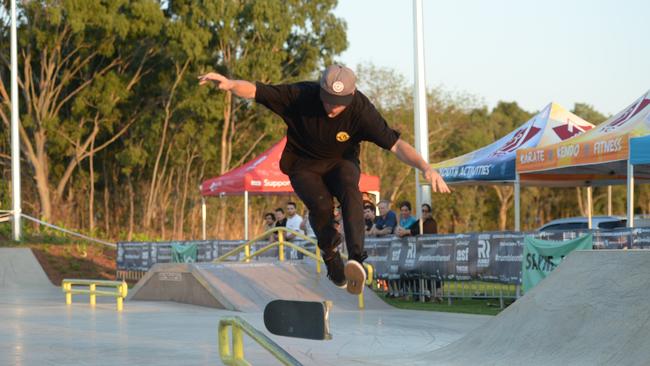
589, 207
245, 215
609, 200
517, 188
630, 194
203, 215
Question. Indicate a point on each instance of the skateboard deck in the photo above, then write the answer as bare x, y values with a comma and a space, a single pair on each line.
299, 319
356, 277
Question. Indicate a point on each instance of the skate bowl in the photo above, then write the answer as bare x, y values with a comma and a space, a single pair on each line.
245, 287
594, 309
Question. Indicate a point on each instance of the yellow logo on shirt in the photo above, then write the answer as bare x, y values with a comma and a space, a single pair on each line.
342, 136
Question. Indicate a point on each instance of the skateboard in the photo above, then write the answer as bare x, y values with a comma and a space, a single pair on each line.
355, 274
299, 319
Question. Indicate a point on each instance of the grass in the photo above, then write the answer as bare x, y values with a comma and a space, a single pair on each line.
463, 306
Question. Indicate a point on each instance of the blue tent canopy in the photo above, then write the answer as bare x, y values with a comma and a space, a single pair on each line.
495, 163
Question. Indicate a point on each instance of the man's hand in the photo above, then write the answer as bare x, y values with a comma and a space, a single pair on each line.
219, 80
241, 88
437, 183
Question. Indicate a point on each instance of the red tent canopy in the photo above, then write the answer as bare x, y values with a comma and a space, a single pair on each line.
262, 175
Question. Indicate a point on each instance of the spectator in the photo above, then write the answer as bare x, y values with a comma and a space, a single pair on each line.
269, 221
405, 219
293, 220
367, 199
280, 220
386, 222
429, 225
369, 217
305, 225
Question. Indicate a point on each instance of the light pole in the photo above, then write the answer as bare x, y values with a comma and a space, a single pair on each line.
422, 192
15, 142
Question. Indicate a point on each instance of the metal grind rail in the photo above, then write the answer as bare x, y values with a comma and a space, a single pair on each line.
231, 348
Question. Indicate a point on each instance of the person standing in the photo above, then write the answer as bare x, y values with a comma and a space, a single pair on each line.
293, 220
326, 122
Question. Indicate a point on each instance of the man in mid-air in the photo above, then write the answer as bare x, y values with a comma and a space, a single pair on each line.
326, 121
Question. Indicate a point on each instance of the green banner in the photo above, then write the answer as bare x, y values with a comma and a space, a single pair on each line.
184, 253
542, 256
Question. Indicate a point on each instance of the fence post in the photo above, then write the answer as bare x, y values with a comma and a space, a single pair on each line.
247, 252
68, 293
93, 297
281, 245
237, 343
317, 259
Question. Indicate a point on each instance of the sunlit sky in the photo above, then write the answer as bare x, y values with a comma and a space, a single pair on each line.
531, 52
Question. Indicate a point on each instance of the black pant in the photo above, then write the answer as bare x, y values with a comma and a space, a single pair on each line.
316, 182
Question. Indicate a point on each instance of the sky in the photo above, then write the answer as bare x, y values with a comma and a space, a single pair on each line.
532, 52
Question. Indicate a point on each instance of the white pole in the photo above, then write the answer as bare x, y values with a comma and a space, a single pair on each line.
203, 217
517, 204
630, 194
245, 215
609, 200
422, 192
589, 208
15, 142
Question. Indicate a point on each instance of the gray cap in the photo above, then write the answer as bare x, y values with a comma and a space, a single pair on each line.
337, 85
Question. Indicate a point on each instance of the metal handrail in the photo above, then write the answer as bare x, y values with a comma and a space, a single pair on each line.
121, 290
280, 244
234, 354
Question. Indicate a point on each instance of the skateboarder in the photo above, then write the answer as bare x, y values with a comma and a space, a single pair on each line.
326, 121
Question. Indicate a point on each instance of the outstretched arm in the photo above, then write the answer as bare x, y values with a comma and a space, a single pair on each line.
241, 88
408, 155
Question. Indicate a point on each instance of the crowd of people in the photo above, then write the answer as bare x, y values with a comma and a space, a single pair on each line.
386, 223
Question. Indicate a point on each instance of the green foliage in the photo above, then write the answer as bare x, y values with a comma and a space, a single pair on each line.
113, 83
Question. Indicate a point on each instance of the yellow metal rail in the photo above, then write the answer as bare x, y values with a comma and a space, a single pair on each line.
281, 243
233, 354
120, 292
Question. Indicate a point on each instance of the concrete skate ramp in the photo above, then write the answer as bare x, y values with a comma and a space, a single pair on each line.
594, 309
246, 287
19, 269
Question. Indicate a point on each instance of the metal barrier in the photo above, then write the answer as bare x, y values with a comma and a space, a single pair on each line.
281, 243
121, 290
234, 354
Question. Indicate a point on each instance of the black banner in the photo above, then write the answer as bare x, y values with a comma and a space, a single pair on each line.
491, 256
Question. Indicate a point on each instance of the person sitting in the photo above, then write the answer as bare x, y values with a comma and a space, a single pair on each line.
386, 222
429, 225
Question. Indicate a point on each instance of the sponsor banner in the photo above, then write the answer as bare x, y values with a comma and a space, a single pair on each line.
504, 251
640, 238
491, 256
607, 148
541, 257
377, 250
184, 253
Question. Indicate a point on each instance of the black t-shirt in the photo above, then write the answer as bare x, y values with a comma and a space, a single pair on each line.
311, 134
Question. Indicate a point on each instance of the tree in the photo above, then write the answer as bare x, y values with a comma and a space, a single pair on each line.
80, 62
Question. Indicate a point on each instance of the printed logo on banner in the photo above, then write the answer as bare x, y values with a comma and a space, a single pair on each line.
462, 260
411, 253
462, 255
483, 253
396, 252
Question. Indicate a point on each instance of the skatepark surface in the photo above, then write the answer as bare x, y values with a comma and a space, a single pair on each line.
593, 310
